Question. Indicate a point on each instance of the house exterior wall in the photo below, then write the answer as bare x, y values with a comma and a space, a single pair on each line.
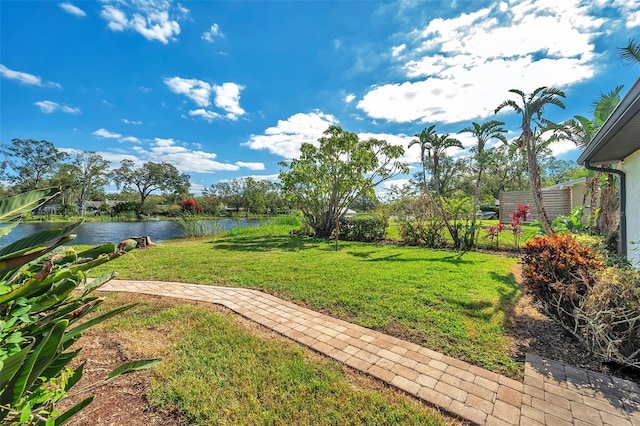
577, 194
632, 170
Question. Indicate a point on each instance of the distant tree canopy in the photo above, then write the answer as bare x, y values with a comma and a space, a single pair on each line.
326, 179
248, 194
28, 164
149, 178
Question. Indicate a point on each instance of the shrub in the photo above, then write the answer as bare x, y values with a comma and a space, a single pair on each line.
40, 316
126, 207
601, 307
189, 205
420, 223
611, 316
366, 228
558, 272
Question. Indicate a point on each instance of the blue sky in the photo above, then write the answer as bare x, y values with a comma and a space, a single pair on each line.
225, 89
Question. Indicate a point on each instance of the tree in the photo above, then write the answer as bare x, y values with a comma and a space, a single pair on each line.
90, 171
581, 130
82, 178
483, 133
506, 170
28, 163
232, 193
149, 178
436, 155
424, 141
630, 54
531, 109
324, 180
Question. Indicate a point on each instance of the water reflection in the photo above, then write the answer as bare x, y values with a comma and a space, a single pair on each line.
94, 233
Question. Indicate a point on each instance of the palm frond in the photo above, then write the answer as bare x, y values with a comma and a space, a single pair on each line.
630, 54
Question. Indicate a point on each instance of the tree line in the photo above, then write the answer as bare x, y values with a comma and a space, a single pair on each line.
29, 164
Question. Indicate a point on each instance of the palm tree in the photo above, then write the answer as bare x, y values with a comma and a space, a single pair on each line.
437, 151
484, 133
630, 54
424, 140
531, 109
581, 130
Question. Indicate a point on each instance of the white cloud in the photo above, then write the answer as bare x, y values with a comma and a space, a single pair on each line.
49, 107
116, 157
130, 139
74, 10
461, 68
134, 122
153, 19
226, 97
105, 134
183, 158
251, 166
206, 114
349, 98
633, 19
397, 50
197, 90
214, 31
288, 135
562, 147
26, 78
411, 155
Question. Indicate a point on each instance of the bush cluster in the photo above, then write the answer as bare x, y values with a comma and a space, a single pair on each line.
190, 205
600, 306
558, 271
366, 228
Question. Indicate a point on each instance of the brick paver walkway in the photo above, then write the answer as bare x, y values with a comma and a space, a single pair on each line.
552, 393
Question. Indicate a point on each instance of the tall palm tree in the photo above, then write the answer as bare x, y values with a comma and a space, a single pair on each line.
483, 133
630, 54
424, 141
437, 151
531, 109
581, 130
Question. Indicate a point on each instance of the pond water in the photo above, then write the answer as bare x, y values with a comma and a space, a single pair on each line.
94, 233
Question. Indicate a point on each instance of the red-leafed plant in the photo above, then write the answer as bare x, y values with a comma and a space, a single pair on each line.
518, 217
493, 232
190, 205
559, 272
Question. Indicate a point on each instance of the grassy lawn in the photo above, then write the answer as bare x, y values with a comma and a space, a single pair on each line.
451, 302
220, 369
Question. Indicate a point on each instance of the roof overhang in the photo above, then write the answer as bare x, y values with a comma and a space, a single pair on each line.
619, 136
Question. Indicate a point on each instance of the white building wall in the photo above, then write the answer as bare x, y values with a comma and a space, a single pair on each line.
632, 170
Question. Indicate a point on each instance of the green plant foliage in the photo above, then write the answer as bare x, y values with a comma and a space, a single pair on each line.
365, 228
575, 223
40, 316
195, 225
